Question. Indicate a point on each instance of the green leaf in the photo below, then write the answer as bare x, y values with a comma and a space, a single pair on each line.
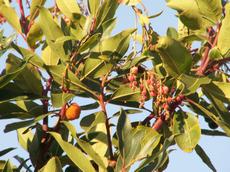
90, 43
204, 157
212, 9
117, 44
93, 6
125, 93
11, 110
172, 33
215, 118
74, 83
49, 57
224, 41
86, 147
11, 16
53, 164
212, 132
219, 89
176, 58
187, 130
7, 167
24, 139
5, 151
188, 13
80, 160
29, 80
192, 83
52, 32
34, 35
5, 79
90, 121
215, 54
21, 124
69, 8
34, 7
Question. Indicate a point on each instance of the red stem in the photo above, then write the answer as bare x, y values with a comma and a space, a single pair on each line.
23, 18
158, 123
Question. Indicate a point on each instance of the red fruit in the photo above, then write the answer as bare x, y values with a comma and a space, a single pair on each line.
165, 90
131, 78
153, 94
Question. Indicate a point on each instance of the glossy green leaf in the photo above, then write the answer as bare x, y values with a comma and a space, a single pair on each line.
69, 8
80, 160
86, 147
5, 151
176, 58
53, 164
125, 93
204, 157
187, 130
11, 16
224, 41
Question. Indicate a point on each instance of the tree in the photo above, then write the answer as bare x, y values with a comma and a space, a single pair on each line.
71, 53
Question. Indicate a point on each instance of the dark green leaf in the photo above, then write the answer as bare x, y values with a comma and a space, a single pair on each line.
199, 150
5, 151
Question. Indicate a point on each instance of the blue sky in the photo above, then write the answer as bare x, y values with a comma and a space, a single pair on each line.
217, 148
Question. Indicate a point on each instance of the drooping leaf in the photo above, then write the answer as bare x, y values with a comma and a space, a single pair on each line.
204, 157
176, 58
80, 160
187, 130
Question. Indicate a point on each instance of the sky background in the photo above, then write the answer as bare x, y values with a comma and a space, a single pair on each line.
217, 148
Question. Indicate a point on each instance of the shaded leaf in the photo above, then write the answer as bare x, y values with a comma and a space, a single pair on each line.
5, 151
53, 164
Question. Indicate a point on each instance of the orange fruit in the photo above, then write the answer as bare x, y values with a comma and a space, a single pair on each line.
73, 111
